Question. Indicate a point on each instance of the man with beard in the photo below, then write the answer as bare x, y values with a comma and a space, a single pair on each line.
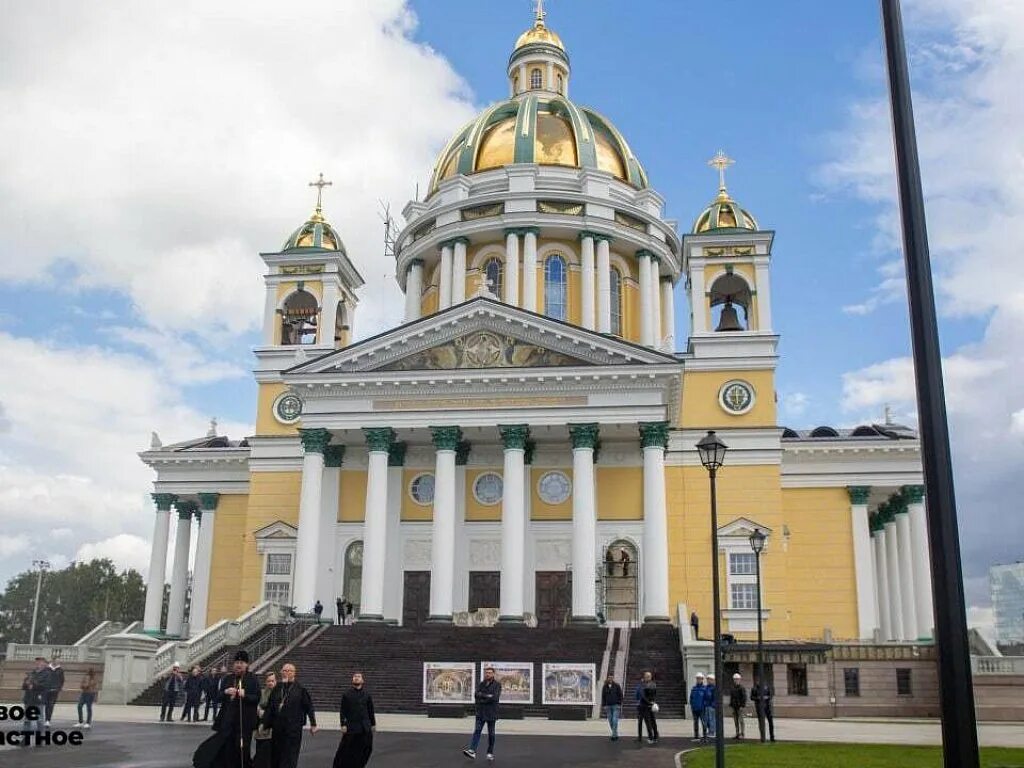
357, 724
288, 709
240, 695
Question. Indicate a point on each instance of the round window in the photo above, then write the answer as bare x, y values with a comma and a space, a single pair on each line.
736, 397
288, 408
554, 487
487, 488
422, 488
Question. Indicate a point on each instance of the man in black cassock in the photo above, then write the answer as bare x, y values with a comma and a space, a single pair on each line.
240, 694
288, 709
357, 724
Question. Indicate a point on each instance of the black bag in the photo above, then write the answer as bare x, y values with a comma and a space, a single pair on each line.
208, 754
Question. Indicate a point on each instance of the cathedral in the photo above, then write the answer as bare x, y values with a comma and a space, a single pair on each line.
521, 449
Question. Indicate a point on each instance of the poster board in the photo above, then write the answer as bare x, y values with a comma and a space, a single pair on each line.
569, 684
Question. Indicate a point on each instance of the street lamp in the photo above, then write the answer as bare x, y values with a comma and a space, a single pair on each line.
40, 565
712, 455
757, 539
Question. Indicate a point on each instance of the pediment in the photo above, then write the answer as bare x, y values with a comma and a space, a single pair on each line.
483, 334
276, 530
742, 527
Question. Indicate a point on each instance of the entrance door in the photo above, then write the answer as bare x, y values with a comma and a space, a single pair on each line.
416, 598
484, 589
554, 598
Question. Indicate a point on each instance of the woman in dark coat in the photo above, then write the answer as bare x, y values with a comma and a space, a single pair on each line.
263, 735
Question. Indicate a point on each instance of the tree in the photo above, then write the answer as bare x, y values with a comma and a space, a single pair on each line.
72, 602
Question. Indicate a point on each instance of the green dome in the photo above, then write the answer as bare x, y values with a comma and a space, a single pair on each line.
314, 234
546, 129
723, 214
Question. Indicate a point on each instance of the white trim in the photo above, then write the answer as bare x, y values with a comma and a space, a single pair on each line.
408, 489
554, 471
477, 479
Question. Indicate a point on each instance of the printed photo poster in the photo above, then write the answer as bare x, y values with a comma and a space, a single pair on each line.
448, 682
516, 678
569, 684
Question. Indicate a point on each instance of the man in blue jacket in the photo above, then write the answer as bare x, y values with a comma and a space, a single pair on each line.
710, 697
697, 708
488, 694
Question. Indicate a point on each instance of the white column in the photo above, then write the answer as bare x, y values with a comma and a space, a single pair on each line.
551, 76
892, 572
326, 585
310, 500
270, 314
445, 277
524, 84
906, 556
395, 587
157, 562
459, 271
530, 270
668, 315
646, 331
179, 571
604, 286
513, 522
201, 569
863, 569
882, 582
653, 439
375, 522
764, 296
656, 304
587, 281
329, 312
512, 268
584, 523
698, 312
442, 544
413, 290
925, 609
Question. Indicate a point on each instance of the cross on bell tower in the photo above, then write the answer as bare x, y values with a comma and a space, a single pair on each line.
720, 162
320, 183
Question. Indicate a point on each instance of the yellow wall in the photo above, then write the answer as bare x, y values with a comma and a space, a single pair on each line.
700, 407
352, 498
620, 493
428, 304
539, 509
410, 509
229, 528
266, 424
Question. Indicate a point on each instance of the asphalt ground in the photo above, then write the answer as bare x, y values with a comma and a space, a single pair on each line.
134, 745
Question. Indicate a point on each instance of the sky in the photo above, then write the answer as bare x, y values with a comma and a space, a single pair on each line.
151, 150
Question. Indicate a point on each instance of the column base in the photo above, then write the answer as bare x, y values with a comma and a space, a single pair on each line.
657, 620
153, 632
439, 620
511, 619
371, 618
583, 620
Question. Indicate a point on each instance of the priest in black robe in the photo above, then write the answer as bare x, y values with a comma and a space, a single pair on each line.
289, 708
240, 695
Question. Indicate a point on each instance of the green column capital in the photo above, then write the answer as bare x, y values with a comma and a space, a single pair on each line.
396, 454
446, 438
334, 455
914, 494
314, 440
514, 436
379, 438
859, 493
644, 253
164, 501
208, 501
595, 236
450, 243
654, 434
886, 514
186, 509
898, 504
462, 451
528, 450
583, 435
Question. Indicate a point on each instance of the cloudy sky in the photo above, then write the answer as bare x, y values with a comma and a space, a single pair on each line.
149, 151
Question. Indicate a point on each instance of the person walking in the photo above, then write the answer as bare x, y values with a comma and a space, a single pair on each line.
210, 693
193, 692
761, 695
348, 611
289, 709
710, 701
86, 697
738, 703
56, 686
695, 623
647, 708
357, 724
318, 610
263, 736
611, 700
240, 697
339, 605
35, 686
697, 709
173, 685
487, 696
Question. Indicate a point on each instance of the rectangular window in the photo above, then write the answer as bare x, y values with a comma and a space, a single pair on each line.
796, 679
277, 592
903, 687
743, 596
742, 564
279, 565
851, 679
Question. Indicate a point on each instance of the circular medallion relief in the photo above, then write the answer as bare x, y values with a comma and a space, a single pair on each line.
487, 488
554, 487
736, 397
288, 408
422, 489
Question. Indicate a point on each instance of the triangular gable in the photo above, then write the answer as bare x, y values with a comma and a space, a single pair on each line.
483, 333
276, 530
742, 527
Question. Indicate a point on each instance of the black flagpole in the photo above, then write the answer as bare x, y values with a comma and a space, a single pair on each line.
956, 695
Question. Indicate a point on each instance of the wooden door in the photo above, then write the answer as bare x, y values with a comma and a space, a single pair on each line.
416, 598
554, 598
484, 589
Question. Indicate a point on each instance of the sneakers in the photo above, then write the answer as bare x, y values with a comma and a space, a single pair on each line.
490, 757
471, 754
78, 725
87, 725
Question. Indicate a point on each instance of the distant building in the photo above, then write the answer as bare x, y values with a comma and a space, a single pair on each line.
1006, 585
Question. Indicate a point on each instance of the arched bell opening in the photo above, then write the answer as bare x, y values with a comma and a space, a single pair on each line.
299, 318
342, 325
730, 299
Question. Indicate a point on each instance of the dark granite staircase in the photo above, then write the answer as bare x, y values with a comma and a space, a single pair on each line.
655, 648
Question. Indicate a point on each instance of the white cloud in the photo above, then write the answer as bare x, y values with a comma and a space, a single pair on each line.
14, 545
125, 550
793, 404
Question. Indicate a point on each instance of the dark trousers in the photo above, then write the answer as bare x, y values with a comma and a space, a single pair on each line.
167, 705
765, 713
698, 723
238, 752
645, 716
51, 701
479, 729
354, 750
85, 700
285, 749
210, 704
191, 709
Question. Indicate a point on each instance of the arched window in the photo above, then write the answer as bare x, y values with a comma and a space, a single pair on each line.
535, 79
352, 584
561, 85
515, 84
615, 284
298, 318
554, 287
494, 276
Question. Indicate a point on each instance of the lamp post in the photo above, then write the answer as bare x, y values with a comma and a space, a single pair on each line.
757, 539
712, 454
40, 565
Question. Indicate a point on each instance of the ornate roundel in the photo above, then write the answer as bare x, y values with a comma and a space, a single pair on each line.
736, 397
554, 487
487, 488
288, 408
422, 489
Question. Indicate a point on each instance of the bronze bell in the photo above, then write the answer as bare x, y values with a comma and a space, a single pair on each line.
730, 320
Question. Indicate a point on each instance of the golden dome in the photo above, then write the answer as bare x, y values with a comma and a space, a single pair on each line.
724, 213
315, 233
538, 33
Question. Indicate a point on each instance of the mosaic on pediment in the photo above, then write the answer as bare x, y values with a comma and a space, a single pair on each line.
483, 349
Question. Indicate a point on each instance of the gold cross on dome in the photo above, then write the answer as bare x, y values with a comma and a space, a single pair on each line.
539, 13
721, 161
320, 184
